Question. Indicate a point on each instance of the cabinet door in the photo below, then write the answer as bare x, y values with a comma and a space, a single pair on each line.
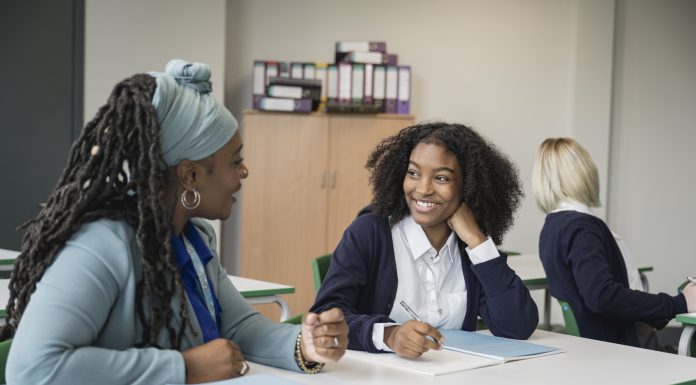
352, 138
284, 201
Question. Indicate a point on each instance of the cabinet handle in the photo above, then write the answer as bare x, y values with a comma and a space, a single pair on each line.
323, 179
333, 180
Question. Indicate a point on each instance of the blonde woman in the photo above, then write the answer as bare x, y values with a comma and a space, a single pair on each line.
584, 264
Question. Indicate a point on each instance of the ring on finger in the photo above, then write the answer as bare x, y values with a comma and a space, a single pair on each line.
244, 369
336, 342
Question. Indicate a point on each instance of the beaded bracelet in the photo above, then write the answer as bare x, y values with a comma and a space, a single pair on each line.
305, 366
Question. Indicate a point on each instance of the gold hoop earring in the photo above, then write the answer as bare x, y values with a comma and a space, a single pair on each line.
196, 199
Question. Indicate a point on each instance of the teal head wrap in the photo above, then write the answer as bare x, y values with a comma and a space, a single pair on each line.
193, 125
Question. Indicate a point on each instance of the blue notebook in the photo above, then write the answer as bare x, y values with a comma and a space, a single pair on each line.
499, 348
255, 379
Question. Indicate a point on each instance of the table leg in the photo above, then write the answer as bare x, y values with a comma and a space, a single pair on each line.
284, 307
685, 340
547, 308
644, 282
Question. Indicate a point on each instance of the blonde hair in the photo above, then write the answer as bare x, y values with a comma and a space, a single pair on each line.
564, 169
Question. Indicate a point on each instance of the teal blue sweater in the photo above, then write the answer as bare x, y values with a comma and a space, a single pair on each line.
81, 327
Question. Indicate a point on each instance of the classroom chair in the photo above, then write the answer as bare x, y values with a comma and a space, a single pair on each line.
4, 352
294, 320
320, 266
571, 325
692, 349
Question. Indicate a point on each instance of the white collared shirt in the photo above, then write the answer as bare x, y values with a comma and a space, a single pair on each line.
430, 282
634, 281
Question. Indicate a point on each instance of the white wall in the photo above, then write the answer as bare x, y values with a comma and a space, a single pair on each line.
518, 71
131, 36
653, 150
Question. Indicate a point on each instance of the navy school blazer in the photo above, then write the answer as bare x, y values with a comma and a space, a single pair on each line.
584, 267
362, 282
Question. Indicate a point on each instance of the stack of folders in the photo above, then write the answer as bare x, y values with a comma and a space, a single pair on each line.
462, 351
283, 86
363, 78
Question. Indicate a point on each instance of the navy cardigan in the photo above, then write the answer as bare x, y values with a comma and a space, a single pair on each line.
362, 282
585, 268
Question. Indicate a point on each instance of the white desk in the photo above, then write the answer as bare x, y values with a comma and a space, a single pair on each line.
262, 292
529, 268
4, 297
7, 259
585, 361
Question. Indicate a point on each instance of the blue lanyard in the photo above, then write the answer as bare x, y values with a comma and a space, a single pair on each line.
192, 254
202, 278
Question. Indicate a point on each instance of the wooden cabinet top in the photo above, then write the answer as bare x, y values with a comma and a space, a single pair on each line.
249, 111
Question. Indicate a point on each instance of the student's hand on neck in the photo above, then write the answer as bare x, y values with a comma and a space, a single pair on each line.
464, 223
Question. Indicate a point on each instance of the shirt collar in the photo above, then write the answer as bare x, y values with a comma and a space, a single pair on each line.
571, 205
418, 242
193, 236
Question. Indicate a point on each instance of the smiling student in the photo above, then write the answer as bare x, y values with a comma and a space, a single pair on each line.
443, 198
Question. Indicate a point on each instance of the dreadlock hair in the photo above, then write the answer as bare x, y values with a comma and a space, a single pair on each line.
491, 185
115, 170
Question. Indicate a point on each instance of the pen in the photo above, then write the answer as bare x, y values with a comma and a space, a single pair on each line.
690, 278
415, 316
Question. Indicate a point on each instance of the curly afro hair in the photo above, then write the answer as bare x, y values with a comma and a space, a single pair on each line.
491, 185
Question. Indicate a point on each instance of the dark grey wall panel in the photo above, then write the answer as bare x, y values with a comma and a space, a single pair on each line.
41, 61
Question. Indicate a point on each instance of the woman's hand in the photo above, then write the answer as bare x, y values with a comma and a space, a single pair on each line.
324, 336
690, 295
464, 223
216, 360
413, 338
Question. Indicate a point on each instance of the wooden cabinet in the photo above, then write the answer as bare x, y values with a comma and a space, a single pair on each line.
307, 181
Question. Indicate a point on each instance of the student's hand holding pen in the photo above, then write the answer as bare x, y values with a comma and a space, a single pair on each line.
690, 295
324, 336
412, 339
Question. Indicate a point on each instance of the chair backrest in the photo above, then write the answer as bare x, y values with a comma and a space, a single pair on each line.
294, 320
571, 325
320, 266
4, 352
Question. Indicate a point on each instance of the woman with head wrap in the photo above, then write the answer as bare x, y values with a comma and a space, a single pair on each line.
118, 281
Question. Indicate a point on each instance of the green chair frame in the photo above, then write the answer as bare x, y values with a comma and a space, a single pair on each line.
692, 349
4, 352
320, 266
571, 325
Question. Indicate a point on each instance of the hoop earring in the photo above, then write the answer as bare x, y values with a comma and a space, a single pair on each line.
196, 199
